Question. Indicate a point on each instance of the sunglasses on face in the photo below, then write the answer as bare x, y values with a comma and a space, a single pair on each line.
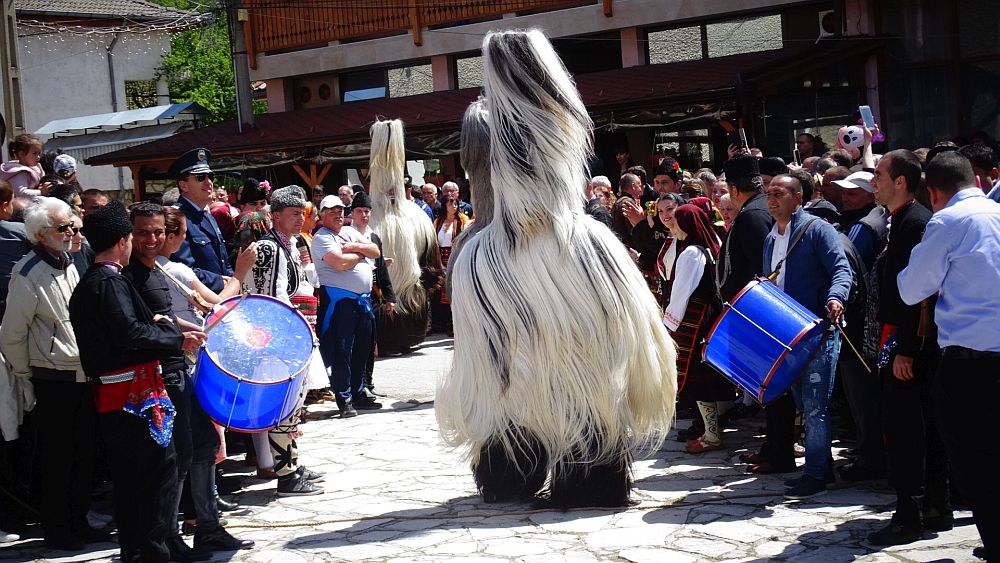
68, 228
203, 177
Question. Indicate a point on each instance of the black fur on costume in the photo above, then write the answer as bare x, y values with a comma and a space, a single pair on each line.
562, 364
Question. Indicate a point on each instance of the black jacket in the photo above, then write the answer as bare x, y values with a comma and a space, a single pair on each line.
906, 228
385, 294
114, 327
743, 249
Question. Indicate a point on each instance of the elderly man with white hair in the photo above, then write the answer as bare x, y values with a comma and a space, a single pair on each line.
39, 343
595, 207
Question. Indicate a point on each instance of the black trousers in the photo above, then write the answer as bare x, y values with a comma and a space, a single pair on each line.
144, 476
862, 391
65, 419
918, 465
965, 393
195, 442
779, 440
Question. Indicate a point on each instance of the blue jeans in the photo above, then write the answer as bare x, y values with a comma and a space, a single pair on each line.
812, 394
346, 344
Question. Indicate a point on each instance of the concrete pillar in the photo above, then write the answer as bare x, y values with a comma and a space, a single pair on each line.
633, 53
443, 72
279, 95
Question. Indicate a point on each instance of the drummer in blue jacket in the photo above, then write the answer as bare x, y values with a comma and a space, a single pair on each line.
204, 249
813, 270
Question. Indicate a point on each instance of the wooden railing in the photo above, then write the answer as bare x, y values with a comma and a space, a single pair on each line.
288, 25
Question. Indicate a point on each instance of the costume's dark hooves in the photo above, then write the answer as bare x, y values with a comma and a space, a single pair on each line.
605, 485
502, 477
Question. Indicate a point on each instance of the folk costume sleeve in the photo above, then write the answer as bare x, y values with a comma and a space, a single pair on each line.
690, 268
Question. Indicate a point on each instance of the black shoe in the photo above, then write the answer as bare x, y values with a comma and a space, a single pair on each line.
226, 485
225, 505
309, 475
366, 404
219, 540
855, 472
896, 533
938, 520
346, 408
90, 535
179, 551
980, 552
296, 485
64, 542
828, 480
807, 487
188, 529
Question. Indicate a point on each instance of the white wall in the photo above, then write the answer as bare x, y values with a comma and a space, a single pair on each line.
66, 75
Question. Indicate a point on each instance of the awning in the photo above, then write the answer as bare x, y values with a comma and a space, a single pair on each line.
93, 144
671, 93
187, 111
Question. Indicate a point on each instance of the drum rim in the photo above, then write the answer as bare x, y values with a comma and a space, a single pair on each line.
262, 296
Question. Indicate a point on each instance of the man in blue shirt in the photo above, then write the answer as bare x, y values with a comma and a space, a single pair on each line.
959, 258
813, 270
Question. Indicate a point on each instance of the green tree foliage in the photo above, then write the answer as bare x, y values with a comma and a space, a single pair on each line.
199, 69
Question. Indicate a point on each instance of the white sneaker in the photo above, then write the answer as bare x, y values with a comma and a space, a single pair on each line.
8, 537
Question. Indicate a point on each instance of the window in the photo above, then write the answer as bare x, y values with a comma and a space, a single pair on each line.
675, 45
363, 85
140, 94
410, 80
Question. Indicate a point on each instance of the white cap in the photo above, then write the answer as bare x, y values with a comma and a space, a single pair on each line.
859, 179
64, 163
330, 201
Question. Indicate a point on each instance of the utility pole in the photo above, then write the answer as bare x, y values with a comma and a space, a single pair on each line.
13, 105
241, 68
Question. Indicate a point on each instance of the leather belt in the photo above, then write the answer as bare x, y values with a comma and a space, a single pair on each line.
963, 353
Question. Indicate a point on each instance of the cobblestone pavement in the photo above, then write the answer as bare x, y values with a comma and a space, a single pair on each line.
394, 493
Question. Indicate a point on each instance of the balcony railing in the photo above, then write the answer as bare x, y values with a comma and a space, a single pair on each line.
288, 25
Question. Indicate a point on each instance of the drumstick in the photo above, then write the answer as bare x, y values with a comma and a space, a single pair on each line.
853, 349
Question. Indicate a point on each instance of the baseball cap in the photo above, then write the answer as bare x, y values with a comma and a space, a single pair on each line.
330, 201
64, 165
860, 179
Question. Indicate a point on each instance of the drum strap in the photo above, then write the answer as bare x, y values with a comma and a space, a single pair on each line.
773, 276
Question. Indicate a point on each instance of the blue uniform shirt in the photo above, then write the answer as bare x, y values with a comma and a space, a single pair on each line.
959, 257
203, 249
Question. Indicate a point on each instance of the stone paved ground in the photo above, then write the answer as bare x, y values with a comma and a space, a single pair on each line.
394, 493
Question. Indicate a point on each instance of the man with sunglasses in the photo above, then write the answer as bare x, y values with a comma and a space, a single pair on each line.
39, 343
204, 248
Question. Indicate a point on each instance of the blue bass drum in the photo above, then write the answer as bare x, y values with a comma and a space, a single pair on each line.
763, 340
250, 374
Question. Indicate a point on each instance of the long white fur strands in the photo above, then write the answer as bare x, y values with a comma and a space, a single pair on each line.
406, 234
556, 332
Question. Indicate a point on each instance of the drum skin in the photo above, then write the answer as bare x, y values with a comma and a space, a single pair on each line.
741, 347
250, 374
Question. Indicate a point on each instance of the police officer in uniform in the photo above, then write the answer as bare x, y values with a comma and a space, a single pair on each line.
204, 249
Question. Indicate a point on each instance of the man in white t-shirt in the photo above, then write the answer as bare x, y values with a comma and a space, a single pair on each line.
345, 320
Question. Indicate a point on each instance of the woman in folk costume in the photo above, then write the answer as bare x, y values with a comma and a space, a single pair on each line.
693, 306
407, 237
528, 393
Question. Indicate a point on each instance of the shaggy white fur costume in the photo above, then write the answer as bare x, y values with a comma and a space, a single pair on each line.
407, 236
561, 359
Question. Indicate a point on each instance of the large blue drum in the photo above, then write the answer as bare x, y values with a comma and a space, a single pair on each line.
763, 340
251, 371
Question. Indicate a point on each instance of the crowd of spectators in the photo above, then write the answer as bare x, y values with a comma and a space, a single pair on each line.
899, 249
